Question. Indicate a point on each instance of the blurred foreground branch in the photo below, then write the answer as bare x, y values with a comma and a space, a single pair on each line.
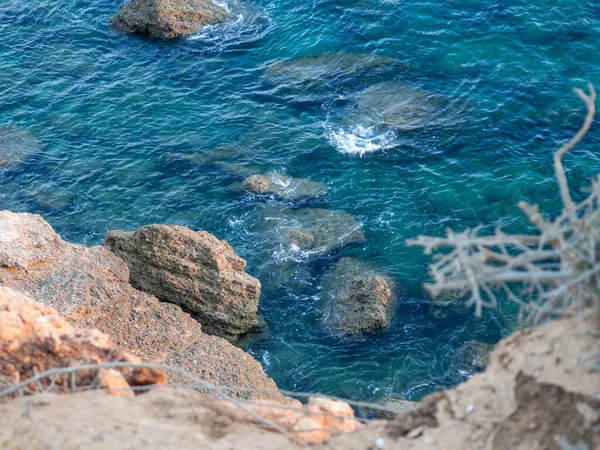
553, 272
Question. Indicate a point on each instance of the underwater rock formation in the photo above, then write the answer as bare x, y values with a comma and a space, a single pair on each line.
397, 106
283, 187
16, 145
311, 231
167, 19
89, 287
34, 339
356, 299
194, 270
320, 70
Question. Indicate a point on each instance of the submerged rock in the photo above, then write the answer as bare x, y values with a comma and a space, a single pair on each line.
397, 106
474, 356
311, 231
16, 145
167, 19
283, 187
356, 299
89, 287
194, 270
34, 339
315, 71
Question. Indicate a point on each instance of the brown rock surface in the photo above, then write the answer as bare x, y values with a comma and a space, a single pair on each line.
194, 270
357, 299
167, 19
90, 288
540, 392
34, 339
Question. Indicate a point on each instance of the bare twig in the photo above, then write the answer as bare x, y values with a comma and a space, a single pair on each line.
555, 271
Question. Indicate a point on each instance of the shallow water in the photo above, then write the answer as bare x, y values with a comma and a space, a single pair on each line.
487, 86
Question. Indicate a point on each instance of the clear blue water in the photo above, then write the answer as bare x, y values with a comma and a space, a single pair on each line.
111, 110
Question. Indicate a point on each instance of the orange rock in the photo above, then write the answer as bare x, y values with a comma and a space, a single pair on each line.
35, 339
114, 383
320, 419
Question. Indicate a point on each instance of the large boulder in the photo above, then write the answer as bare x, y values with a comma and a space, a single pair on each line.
192, 269
356, 299
167, 19
16, 145
89, 287
283, 186
35, 339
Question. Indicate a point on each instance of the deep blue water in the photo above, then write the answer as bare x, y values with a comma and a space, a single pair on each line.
112, 111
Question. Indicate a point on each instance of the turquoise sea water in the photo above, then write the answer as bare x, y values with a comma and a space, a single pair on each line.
488, 83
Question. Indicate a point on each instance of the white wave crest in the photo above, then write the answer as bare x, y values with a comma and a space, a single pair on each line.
359, 140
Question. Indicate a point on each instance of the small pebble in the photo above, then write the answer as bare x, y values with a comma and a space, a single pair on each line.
470, 408
379, 442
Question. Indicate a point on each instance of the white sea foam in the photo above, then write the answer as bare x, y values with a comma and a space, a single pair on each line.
358, 140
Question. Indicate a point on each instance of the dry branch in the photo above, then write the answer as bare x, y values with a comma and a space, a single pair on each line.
555, 271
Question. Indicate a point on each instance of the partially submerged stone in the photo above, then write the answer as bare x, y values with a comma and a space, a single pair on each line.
357, 299
474, 356
194, 270
16, 145
168, 19
283, 187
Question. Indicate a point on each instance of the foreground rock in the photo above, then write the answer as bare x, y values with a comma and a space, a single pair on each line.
194, 270
396, 406
540, 392
16, 145
168, 418
356, 299
34, 339
89, 287
283, 187
167, 19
